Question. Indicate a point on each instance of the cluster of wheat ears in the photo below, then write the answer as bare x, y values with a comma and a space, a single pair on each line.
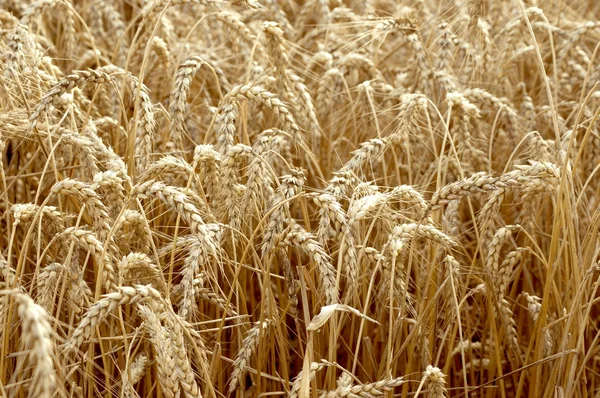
318, 198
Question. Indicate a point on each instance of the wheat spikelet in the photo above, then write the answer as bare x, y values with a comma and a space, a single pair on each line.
368, 151
373, 255
137, 235
259, 173
489, 213
79, 293
359, 208
110, 186
290, 186
84, 147
277, 53
69, 31
152, 8
255, 92
331, 84
225, 126
306, 107
476, 11
19, 42
34, 10
392, 271
161, 49
464, 112
503, 310
103, 152
534, 306
203, 293
331, 211
356, 61
232, 191
339, 185
138, 368
409, 194
508, 321
545, 172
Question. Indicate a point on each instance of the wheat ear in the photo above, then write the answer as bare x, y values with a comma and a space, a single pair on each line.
248, 348
162, 344
37, 334
100, 311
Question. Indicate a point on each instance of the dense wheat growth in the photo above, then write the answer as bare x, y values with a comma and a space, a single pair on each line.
299, 198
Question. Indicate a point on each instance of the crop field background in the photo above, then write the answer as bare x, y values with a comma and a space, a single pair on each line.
299, 198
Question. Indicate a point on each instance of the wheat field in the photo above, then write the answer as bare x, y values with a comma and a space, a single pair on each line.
299, 198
